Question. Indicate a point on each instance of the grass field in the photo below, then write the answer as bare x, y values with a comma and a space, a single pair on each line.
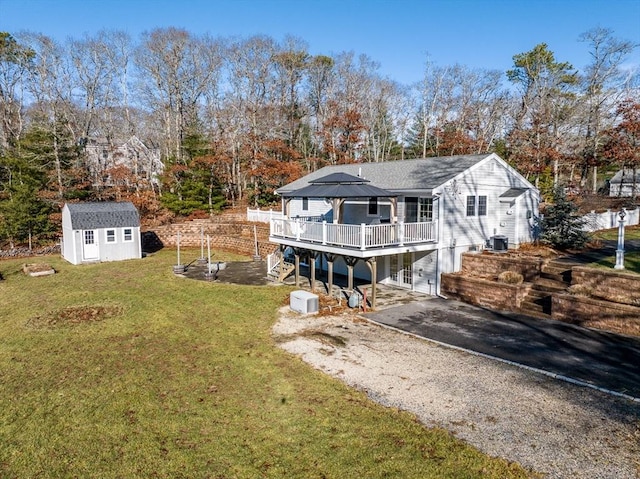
123, 370
631, 258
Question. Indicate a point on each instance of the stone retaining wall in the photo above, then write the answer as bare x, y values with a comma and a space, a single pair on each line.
594, 313
490, 265
483, 292
24, 252
234, 237
609, 285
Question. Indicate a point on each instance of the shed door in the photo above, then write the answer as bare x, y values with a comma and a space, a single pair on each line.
90, 245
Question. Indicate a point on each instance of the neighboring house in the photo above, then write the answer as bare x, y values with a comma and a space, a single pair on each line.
141, 159
625, 183
108, 231
404, 222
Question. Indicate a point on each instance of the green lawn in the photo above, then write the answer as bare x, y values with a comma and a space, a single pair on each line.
176, 378
631, 258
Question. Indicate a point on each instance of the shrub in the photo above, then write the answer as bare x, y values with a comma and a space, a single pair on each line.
510, 277
580, 290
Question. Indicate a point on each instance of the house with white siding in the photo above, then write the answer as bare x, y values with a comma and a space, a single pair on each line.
107, 231
403, 223
625, 182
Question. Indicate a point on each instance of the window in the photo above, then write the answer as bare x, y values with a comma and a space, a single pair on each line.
476, 205
111, 236
88, 237
425, 210
471, 205
373, 206
305, 204
482, 206
128, 234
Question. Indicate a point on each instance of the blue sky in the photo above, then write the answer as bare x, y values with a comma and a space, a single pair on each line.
397, 34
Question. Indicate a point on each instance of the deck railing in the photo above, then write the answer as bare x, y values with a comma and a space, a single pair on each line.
361, 236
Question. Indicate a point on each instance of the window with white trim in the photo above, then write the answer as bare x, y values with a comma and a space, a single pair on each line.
425, 210
482, 206
477, 205
471, 205
111, 236
127, 234
305, 204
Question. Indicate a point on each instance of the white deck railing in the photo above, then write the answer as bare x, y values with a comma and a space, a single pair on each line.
263, 216
353, 236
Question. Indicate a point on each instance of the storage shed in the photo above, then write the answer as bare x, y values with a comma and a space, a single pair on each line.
108, 231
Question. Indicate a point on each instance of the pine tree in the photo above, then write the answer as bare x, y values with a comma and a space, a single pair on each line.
560, 226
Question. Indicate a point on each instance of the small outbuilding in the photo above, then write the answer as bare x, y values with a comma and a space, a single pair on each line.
625, 183
107, 231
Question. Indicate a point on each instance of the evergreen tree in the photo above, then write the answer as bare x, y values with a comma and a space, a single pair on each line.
560, 226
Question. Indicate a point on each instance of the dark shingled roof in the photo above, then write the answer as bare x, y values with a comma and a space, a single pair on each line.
88, 216
513, 192
338, 185
396, 176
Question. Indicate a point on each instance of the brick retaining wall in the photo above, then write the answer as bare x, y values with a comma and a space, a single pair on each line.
594, 313
610, 285
482, 292
234, 237
490, 265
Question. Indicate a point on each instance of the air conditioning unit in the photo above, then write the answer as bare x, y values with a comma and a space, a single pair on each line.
499, 243
303, 302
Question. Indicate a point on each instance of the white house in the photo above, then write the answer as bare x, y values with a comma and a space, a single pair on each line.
625, 183
108, 231
404, 222
142, 159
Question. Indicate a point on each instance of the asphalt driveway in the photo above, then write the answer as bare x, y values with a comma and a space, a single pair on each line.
597, 358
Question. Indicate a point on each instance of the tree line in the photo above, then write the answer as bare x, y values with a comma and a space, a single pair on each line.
236, 118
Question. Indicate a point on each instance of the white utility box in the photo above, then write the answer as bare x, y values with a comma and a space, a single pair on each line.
303, 302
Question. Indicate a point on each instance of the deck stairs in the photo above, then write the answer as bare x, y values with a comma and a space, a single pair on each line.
555, 277
279, 268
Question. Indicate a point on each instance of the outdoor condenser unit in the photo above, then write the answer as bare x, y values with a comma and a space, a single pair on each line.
303, 302
500, 243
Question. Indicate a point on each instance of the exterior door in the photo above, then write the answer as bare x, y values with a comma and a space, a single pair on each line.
89, 245
401, 273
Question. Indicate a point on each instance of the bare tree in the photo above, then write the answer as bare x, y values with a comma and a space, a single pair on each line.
603, 84
175, 70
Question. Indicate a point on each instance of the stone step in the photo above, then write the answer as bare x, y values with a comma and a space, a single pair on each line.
561, 277
551, 285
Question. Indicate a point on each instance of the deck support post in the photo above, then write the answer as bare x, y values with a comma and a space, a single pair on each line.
330, 259
313, 255
351, 262
373, 268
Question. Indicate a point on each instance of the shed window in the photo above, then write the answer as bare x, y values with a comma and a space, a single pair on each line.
305, 204
111, 236
128, 234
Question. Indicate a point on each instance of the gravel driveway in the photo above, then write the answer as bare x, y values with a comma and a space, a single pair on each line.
551, 427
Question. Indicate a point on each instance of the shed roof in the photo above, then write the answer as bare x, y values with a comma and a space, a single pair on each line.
86, 216
402, 175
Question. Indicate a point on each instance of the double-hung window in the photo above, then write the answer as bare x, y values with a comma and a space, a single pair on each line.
127, 234
476, 205
111, 236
